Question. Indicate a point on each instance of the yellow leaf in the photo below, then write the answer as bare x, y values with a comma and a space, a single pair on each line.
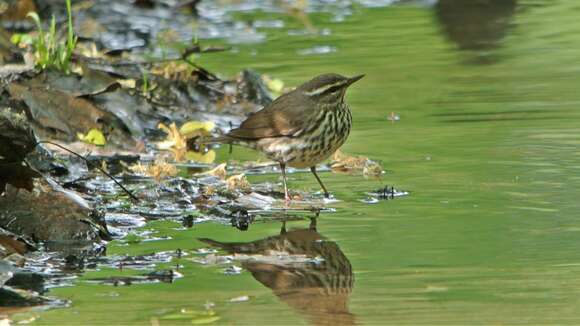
275, 85
191, 127
94, 136
127, 83
175, 142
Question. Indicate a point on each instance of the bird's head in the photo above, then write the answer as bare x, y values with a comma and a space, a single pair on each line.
328, 88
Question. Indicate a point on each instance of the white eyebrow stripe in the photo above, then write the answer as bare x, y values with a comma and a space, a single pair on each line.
321, 90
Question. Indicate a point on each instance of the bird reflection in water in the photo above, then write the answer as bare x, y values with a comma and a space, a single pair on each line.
314, 277
475, 24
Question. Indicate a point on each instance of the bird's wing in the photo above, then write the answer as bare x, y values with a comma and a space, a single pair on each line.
283, 117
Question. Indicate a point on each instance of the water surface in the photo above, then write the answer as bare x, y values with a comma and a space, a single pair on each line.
487, 146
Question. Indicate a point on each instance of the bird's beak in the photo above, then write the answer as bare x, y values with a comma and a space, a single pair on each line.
354, 79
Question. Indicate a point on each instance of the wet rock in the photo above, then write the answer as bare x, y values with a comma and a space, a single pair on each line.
11, 244
238, 215
27, 281
10, 297
115, 163
45, 162
6, 272
16, 140
59, 114
187, 221
16, 137
255, 200
385, 193
49, 213
134, 111
253, 88
16, 10
91, 82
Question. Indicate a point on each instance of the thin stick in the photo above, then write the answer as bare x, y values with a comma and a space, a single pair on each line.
84, 159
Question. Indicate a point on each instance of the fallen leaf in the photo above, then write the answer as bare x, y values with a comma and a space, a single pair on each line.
174, 71
275, 85
158, 171
176, 141
347, 163
17, 10
219, 171
94, 136
372, 169
238, 182
127, 83
61, 111
191, 127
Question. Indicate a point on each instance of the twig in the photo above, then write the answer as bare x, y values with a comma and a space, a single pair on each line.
87, 161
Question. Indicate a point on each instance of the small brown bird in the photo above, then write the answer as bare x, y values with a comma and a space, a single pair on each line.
301, 128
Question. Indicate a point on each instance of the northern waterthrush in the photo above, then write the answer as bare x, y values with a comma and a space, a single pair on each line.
300, 128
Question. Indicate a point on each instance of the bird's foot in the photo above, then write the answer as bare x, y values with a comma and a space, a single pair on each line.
287, 200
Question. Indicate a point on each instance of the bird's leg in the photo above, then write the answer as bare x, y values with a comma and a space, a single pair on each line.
286, 195
283, 229
312, 226
313, 170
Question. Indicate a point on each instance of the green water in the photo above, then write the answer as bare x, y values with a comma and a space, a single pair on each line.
487, 146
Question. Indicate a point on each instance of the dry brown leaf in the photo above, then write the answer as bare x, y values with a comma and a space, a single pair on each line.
341, 161
347, 163
373, 169
238, 182
209, 191
219, 171
175, 141
18, 10
157, 171
174, 71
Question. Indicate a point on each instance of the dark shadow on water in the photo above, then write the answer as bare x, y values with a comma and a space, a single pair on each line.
476, 25
316, 281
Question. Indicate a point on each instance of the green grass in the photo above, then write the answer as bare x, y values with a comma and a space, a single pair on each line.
49, 50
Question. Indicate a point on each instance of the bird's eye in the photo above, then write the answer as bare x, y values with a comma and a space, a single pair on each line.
334, 89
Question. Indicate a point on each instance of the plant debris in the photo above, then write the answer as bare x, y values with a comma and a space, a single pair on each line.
350, 164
